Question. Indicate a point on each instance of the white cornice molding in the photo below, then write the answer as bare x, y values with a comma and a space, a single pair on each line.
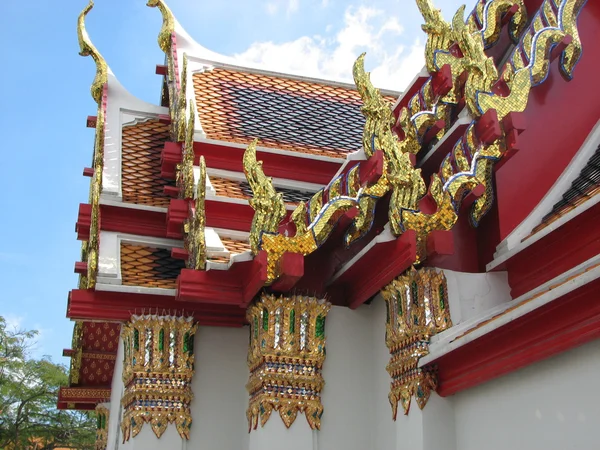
471, 330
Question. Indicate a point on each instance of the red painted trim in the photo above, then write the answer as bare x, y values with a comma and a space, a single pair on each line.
84, 222
234, 287
231, 216
274, 164
292, 269
177, 214
81, 268
161, 69
563, 324
569, 245
133, 221
376, 268
119, 306
169, 158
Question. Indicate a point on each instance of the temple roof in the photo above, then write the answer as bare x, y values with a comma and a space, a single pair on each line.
142, 144
584, 187
237, 105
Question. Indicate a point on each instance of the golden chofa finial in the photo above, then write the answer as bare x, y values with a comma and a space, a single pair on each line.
168, 25
86, 48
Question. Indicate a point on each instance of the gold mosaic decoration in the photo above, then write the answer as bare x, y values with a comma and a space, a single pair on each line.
195, 240
416, 308
102, 415
77, 347
471, 162
461, 46
157, 373
176, 82
529, 63
315, 221
89, 249
285, 358
168, 24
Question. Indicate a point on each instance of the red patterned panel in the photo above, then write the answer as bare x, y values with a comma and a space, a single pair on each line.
100, 336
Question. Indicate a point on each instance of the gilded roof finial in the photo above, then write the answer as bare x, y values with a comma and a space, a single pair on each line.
168, 25
86, 48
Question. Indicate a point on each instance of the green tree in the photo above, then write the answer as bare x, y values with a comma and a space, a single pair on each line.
29, 388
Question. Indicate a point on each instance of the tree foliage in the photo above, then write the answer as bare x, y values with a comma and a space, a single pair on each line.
29, 388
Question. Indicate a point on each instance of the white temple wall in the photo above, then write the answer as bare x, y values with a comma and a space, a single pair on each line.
550, 405
348, 371
384, 428
219, 386
114, 419
471, 294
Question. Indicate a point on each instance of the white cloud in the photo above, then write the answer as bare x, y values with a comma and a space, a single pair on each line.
271, 8
364, 29
292, 7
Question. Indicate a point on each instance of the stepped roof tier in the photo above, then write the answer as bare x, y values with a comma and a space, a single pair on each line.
244, 181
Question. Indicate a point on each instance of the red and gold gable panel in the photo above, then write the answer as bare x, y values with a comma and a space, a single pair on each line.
283, 113
142, 145
100, 336
149, 266
99, 349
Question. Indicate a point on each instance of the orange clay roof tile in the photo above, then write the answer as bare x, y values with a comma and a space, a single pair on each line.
149, 267
142, 145
284, 113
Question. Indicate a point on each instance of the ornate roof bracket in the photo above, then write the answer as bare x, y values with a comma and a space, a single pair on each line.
89, 249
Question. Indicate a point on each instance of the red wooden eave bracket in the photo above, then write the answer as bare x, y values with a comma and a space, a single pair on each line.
376, 268
371, 170
177, 214
235, 287
88, 172
84, 222
97, 305
90, 122
161, 69
169, 158
291, 268
81, 268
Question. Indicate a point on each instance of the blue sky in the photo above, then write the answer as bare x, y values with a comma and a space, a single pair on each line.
44, 90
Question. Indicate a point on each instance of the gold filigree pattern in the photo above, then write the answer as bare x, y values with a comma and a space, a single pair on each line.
195, 241
86, 48
268, 205
102, 415
185, 170
285, 358
168, 24
98, 90
550, 26
158, 368
416, 308
76, 345
471, 162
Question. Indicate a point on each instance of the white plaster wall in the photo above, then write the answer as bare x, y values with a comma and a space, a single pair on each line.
220, 397
275, 436
384, 428
348, 371
550, 405
471, 294
114, 420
